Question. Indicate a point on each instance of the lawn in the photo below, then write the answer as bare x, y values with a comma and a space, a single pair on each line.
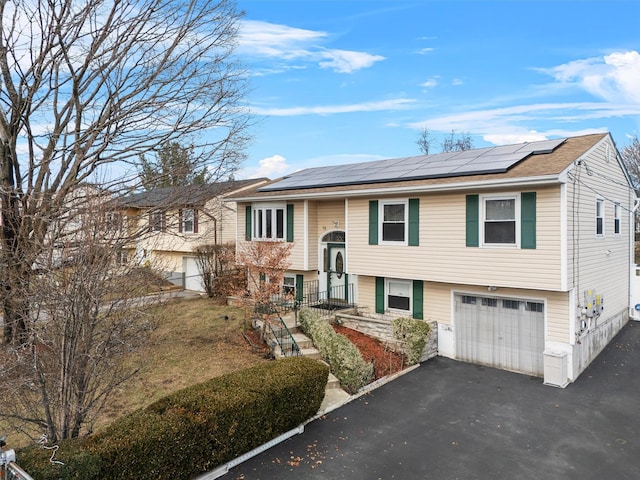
196, 339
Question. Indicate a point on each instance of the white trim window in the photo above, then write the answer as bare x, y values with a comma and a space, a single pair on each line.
394, 223
269, 221
599, 217
188, 220
616, 218
500, 220
289, 285
398, 295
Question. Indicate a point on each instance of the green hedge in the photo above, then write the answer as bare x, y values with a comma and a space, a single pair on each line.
194, 430
344, 358
413, 334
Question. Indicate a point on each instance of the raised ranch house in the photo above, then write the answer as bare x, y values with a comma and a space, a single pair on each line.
173, 221
522, 254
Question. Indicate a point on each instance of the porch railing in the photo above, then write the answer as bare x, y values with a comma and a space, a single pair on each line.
283, 338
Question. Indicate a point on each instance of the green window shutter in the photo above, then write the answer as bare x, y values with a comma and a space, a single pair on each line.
473, 223
290, 222
373, 222
299, 287
414, 222
247, 223
379, 295
528, 220
418, 293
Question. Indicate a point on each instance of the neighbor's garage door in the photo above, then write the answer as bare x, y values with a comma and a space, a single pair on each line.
502, 333
192, 277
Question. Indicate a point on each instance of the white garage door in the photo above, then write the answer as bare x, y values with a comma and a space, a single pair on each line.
502, 333
192, 277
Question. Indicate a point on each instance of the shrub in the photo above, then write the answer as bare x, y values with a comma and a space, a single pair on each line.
413, 334
196, 429
344, 358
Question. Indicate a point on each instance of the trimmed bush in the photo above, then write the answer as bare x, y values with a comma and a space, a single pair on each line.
413, 334
344, 358
196, 429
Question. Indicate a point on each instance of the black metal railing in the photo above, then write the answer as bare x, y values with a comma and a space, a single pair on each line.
283, 338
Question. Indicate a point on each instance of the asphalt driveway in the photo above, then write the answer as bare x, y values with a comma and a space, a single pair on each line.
452, 420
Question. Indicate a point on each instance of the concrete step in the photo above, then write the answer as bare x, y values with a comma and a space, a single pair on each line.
302, 340
333, 383
311, 353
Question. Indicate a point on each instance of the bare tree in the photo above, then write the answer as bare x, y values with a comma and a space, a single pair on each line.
425, 140
451, 143
457, 143
216, 264
265, 263
87, 313
86, 87
631, 158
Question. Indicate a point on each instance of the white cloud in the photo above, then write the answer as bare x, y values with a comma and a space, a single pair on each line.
613, 78
271, 167
514, 124
290, 44
511, 138
392, 104
432, 82
426, 50
344, 61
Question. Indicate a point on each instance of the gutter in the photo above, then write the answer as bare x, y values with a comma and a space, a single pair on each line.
491, 184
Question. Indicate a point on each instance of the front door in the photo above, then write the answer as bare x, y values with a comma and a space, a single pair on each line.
336, 275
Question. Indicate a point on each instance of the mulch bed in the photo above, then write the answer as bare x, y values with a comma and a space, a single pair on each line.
386, 361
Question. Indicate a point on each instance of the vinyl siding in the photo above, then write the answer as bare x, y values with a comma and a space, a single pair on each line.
328, 213
599, 263
438, 303
443, 255
297, 252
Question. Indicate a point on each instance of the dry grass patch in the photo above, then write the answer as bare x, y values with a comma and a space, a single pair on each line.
196, 340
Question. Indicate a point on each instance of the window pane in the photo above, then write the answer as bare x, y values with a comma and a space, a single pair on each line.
511, 304
280, 223
500, 232
393, 232
394, 212
599, 226
399, 303
399, 288
269, 223
490, 302
501, 209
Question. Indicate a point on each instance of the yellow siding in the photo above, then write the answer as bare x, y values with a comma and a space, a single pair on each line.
599, 263
330, 217
297, 252
438, 303
312, 236
443, 256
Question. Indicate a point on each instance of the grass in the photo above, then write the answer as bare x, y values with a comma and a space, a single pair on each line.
196, 339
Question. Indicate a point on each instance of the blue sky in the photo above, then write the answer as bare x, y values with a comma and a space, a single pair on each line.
343, 81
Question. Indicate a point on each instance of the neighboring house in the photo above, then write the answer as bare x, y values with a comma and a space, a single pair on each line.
522, 254
172, 221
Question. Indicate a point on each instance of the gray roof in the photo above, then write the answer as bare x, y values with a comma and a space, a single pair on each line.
188, 195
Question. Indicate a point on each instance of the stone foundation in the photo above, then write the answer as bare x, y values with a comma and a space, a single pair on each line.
379, 326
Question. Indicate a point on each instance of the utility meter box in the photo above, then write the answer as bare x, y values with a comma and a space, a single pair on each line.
555, 369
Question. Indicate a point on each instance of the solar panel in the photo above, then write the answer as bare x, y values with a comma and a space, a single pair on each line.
469, 162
